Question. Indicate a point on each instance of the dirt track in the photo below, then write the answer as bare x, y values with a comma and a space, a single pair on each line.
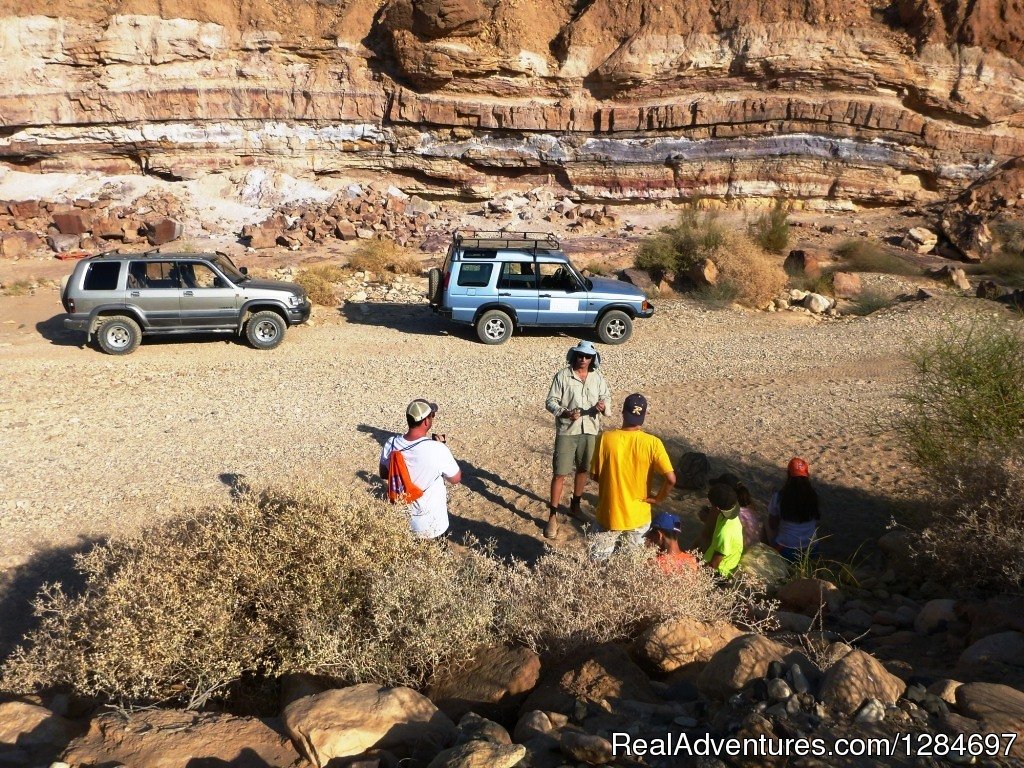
92, 445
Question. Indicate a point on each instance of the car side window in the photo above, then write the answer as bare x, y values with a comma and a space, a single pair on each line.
102, 276
518, 275
475, 275
556, 277
195, 275
155, 274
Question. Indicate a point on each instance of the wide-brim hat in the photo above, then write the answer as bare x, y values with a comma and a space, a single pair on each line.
584, 348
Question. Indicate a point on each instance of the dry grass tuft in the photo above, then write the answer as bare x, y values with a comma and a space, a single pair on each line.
755, 276
318, 285
385, 256
19, 287
866, 256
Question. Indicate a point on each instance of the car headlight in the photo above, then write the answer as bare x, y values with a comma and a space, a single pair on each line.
294, 300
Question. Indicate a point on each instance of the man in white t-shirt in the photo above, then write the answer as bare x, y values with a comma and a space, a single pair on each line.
430, 464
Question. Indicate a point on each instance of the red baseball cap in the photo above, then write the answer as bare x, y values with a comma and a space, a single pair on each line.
798, 467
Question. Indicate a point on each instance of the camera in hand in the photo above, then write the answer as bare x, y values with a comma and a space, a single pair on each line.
440, 438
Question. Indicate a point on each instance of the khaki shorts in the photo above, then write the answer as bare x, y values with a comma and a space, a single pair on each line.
573, 453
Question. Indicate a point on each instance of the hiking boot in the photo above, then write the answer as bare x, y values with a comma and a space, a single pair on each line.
551, 529
575, 507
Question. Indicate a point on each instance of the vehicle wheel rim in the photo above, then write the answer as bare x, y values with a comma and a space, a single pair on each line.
615, 329
266, 331
118, 337
494, 329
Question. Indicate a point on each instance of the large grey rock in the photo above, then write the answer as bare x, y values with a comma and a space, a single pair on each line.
743, 659
999, 708
817, 303
346, 722
1000, 648
480, 754
493, 684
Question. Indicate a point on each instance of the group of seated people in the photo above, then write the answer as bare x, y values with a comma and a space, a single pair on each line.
732, 524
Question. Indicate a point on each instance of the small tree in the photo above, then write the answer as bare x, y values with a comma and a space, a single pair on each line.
771, 230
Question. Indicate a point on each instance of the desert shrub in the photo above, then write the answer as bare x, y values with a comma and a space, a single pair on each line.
693, 238
866, 256
596, 269
276, 582
656, 254
870, 300
567, 600
384, 256
319, 284
771, 230
756, 277
821, 282
18, 287
967, 402
1007, 259
721, 294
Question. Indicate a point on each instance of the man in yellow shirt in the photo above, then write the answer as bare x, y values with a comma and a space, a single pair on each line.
622, 465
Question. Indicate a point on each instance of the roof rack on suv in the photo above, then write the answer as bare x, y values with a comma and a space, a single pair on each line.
475, 238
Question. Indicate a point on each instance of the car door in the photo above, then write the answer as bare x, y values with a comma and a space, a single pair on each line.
563, 297
208, 299
517, 287
153, 287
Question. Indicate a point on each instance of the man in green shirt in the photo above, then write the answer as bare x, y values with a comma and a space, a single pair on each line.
726, 547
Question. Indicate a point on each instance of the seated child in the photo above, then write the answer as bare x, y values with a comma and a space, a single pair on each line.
726, 547
664, 534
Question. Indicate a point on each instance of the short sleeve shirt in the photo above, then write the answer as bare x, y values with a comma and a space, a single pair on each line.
429, 462
622, 464
727, 540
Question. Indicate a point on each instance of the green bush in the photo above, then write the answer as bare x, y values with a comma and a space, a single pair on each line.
869, 301
771, 230
967, 402
695, 237
866, 256
656, 255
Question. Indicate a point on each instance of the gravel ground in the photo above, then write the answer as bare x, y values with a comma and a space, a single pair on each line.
92, 445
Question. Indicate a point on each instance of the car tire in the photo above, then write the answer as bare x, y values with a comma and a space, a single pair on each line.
494, 327
265, 330
614, 327
118, 335
434, 286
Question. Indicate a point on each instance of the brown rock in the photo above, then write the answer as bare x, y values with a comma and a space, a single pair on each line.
808, 596
999, 708
346, 722
743, 659
638, 277
35, 730
177, 739
846, 285
531, 725
803, 262
71, 223
163, 231
678, 642
855, 678
480, 754
345, 230
18, 244
27, 209
704, 273
586, 747
493, 684
989, 289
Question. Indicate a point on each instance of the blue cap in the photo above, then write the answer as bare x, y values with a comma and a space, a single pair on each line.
667, 522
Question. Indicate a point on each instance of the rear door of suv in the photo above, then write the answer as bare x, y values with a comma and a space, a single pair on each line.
517, 285
153, 286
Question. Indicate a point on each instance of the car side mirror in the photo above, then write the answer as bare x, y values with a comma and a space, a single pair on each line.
244, 270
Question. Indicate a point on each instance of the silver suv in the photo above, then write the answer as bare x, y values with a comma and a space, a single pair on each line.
120, 297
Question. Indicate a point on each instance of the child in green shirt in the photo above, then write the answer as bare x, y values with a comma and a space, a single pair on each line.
726, 546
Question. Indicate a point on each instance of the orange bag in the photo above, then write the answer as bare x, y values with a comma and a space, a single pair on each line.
401, 488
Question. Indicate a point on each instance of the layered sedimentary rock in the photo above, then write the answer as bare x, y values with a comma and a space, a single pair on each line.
627, 99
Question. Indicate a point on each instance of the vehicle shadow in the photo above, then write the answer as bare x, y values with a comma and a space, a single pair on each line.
407, 318
53, 331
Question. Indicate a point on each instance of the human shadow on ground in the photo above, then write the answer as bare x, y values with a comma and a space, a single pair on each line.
238, 485
53, 331
19, 586
479, 481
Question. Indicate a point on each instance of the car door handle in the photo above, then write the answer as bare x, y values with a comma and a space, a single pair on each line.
545, 295
501, 293
189, 293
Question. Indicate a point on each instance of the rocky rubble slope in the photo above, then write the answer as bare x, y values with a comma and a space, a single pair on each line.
845, 100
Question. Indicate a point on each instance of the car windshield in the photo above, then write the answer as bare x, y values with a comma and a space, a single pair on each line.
229, 269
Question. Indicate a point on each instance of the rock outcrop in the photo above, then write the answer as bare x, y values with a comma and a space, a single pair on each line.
614, 99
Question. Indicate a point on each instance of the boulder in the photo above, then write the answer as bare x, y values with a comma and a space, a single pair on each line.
764, 564
14, 245
846, 285
808, 596
743, 659
71, 223
63, 243
989, 289
678, 642
935, 616
480, 754
345, 230
921, 240
803, 262
177, 739
472, 727
945, 689
346, 722
493, 684
1000, 648
531, 725
999, 708
703, 274
163, 231
34, 730
638, 277
586, 747
817, 303
997, 614
856, 678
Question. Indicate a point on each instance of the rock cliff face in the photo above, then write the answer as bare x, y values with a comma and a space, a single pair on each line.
845, 100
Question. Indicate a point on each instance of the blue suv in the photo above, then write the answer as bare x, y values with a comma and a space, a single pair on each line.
498, 281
